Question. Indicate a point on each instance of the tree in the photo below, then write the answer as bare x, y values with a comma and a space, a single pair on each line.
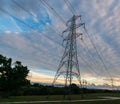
74, 88
12, 78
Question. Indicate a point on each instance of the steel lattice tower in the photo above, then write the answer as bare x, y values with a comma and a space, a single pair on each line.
69, 66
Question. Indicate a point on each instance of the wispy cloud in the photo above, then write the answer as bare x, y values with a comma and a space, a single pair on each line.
40, 47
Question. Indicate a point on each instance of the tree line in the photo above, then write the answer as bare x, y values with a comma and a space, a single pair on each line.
12, 76
14, 82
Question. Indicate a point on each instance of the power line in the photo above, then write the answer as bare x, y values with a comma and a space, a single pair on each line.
104, 65
85, 60
91, 57
32, 15
32, 28
89, 66
89, 37
48, 6
52, 10
68, 3
100, 57
69, 6
87, 63
69, 59
89, 54
22, 8
29, 26
72, 9
86, 49
16, 18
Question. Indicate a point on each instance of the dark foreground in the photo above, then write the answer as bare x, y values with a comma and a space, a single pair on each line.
99, 98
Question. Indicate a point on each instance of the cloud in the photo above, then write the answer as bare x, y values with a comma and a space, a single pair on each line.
102, 7
104, 26
40, 78
40, 47
31, 15
33, 49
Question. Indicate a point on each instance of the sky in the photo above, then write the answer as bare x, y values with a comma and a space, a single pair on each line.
31, 33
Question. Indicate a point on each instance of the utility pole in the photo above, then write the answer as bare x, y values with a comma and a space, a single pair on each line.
69, 66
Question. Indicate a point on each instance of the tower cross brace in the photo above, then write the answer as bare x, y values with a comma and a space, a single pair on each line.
69, 66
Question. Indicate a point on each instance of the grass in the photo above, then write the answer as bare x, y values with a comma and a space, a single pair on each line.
60, 97
95, 102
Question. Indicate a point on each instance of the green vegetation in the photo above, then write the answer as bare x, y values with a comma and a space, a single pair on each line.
12, 76
60, 97
14, 87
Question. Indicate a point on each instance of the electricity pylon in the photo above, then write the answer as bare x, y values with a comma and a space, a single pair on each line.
69, 66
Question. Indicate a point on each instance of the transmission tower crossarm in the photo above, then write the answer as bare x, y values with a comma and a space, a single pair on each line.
69, 66
75, 27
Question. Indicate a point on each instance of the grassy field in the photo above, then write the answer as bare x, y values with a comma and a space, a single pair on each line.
61, 97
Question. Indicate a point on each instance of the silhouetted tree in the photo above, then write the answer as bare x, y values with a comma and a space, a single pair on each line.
75, 89
13, 77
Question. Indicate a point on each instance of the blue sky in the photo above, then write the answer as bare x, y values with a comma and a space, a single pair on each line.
38, 46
